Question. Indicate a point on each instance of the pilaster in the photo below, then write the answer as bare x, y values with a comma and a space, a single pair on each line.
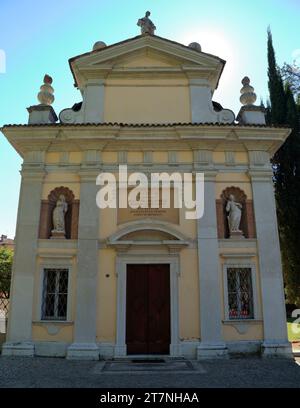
211, 345
84, 346
273, 303
19, 338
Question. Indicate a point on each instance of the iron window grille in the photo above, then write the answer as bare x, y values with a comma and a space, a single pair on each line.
240, 293
55, 294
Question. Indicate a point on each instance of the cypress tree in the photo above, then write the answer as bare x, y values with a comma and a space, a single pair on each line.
286, 166
276, 88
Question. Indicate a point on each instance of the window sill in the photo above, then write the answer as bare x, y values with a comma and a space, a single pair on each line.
63, 322
233, 321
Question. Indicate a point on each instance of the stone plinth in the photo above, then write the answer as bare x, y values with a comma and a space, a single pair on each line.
41, 114
251, 115
58, 234
236, 235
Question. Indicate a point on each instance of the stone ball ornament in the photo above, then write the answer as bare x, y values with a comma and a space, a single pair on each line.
99, 45
195, 46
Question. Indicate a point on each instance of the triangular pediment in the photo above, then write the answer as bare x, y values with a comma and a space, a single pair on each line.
145, 58
143, 54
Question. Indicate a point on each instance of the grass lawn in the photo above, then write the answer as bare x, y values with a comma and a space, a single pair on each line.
292, 336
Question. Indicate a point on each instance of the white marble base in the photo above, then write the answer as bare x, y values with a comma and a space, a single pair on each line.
106, 350
189, 348
244, 347
175, 350
20, 349
271, 350
236, 235
2, 323
58, 235
83, 351
211, 350
120, 351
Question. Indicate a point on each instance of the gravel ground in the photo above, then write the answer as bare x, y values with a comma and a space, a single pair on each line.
19, 372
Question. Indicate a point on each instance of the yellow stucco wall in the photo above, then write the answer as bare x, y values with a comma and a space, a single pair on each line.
254, 332
40, 332
185, 157
52, 158
188, 283
241, 180
109, 157
134, 157
131, 101
241, 157
189, 320
160, 157
53, 180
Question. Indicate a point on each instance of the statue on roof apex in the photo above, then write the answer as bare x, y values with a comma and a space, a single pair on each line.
147, 26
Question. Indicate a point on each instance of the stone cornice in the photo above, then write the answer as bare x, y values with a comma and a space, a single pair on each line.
89, 175
33, 173
261, 175
158, 137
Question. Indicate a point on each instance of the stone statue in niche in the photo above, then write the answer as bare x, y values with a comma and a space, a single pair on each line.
234, 210
146, 24
58, 218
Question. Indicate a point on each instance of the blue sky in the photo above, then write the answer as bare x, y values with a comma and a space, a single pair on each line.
39, 37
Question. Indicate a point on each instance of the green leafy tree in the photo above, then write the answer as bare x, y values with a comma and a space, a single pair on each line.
291, 75
6, 259
286, 165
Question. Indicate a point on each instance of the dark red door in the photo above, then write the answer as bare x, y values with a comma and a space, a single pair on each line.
148, 309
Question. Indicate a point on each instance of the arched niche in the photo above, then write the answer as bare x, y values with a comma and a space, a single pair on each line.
247, 220
71, 220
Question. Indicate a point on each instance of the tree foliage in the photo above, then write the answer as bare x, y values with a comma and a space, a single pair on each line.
276, 88
291, 75
6, 259
286, 165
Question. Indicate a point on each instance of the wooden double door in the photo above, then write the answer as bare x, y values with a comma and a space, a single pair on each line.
148, 309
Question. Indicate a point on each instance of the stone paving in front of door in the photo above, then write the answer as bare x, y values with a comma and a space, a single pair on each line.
149, 366
24, 372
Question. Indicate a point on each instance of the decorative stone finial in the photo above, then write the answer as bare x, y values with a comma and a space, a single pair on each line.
250, 114
147, 26
248, 96
45, 96
99, 45
43, 112
195, 46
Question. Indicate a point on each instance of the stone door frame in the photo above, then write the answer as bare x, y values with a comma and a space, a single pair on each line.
121, 272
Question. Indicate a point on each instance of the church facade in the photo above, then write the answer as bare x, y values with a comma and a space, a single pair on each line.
92, 282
